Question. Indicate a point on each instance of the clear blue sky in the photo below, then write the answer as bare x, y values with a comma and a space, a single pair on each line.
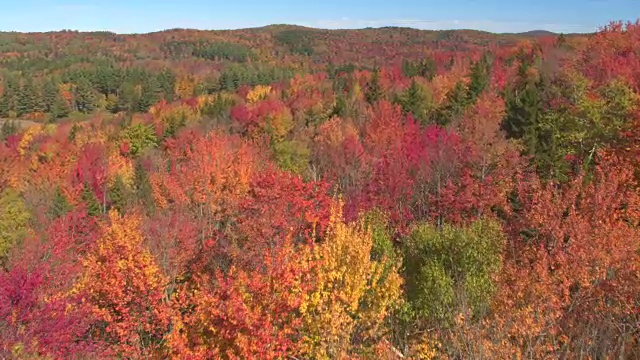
135, 16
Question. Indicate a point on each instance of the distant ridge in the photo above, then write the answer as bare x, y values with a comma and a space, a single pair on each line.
283, 27
537, 33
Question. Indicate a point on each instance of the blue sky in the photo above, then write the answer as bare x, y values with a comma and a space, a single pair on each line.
136, 16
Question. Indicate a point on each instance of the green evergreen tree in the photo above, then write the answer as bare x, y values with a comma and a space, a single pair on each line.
561, 40
142, 187
409, 69
27, 99
127, 98
118, 195
166, 81
480, 77
524, 105
454, 105
450, 63
341, 107
59, 205
88, 197
374, 93
73, 132
53, 102
7, 100
50, 95
84, 96
428, 68
106, 79
149, 94
416, 101
526, 120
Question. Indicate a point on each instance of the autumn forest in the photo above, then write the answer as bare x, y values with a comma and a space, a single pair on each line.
294, 193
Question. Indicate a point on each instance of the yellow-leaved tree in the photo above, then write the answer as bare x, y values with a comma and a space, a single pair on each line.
14, 220
344, 315
260, 92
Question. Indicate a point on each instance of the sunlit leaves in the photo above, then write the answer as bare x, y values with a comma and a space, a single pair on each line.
352, 294
124, 288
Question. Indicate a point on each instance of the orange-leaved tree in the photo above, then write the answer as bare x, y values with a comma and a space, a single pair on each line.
125, 290
570, 283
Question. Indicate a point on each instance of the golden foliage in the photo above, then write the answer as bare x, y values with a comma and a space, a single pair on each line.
27, 138
185, 87
260, 92
352, 293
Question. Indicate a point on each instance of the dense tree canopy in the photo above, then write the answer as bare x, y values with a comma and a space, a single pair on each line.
292, 193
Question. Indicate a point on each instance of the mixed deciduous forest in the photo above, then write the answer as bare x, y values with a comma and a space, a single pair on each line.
293, 193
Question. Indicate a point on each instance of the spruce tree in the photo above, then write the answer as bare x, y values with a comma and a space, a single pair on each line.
167, 83
480, 77
340, 108
149, 94
91, 202
27, 99
85, 99
50, 95
59, 205
142, 186
416, 101
454, 106
374, 91
409, 69
118, 195
428, 68
8, 100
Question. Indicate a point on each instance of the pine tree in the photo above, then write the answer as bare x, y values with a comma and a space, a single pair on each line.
118, 195
340, 108
409, 69
8, 101
454, 106
524, 106
149, 94
523, 121
480, 76
85, 99
50, 95
27, 99
142, 186
561, 40
415, 100
89, 199
59, 205
428, 68
166, 83
374, 91
53, 102
126, 97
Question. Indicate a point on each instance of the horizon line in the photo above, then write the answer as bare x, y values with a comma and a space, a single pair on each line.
381, 27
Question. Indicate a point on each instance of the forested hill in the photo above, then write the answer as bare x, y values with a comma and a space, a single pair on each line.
103, 70
291, 193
